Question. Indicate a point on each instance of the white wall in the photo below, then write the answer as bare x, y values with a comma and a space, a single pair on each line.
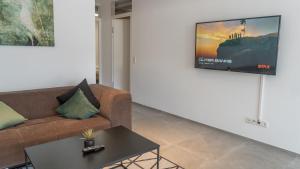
71, 60
164, 77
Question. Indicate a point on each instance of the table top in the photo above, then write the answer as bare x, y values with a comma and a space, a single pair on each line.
120, 144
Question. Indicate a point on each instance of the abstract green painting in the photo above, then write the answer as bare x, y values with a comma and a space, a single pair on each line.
26, 22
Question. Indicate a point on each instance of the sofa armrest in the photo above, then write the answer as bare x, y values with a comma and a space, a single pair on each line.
116, 106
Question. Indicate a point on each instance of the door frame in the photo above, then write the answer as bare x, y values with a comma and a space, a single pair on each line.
98, 48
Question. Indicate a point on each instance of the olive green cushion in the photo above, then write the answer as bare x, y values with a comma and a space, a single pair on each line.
77, 107
9, 117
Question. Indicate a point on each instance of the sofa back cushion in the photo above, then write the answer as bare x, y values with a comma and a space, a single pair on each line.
39, 103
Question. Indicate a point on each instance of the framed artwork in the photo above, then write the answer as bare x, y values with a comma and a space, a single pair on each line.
26, 23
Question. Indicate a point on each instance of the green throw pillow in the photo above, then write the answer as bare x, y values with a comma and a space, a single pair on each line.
77, 107
9, 117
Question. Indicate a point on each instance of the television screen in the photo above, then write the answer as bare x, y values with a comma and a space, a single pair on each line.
242, 45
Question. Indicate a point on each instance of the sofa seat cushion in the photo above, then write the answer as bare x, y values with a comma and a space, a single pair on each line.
52, 128
39, 121
39, 133
10, 147
71, 127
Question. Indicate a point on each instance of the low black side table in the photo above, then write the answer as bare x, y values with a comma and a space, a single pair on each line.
120, 144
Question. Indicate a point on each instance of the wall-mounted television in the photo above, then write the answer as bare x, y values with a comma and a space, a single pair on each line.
242, 45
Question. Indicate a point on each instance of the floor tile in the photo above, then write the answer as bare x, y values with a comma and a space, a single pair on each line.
182, 157
197, 146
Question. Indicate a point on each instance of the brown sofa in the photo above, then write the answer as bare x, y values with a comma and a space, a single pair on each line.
45, 125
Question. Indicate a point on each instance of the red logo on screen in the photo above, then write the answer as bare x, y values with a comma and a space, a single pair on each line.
263, 66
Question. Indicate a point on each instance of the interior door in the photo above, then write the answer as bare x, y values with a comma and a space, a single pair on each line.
121, 53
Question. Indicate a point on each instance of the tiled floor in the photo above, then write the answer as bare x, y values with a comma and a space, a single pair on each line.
196, 146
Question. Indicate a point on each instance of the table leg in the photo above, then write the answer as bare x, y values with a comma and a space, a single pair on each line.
122, 165
26, 161
157, 163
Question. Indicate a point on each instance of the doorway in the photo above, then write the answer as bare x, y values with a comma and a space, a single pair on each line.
121, 53
113, 43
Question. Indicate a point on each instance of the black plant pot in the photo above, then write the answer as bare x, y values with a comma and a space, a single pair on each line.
89, 143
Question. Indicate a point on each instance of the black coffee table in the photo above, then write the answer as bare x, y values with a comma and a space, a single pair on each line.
120, 144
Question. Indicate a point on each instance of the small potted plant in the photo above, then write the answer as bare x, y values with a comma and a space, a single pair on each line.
89, 138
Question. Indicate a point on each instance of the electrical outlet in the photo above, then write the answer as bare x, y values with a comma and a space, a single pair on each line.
257, 123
